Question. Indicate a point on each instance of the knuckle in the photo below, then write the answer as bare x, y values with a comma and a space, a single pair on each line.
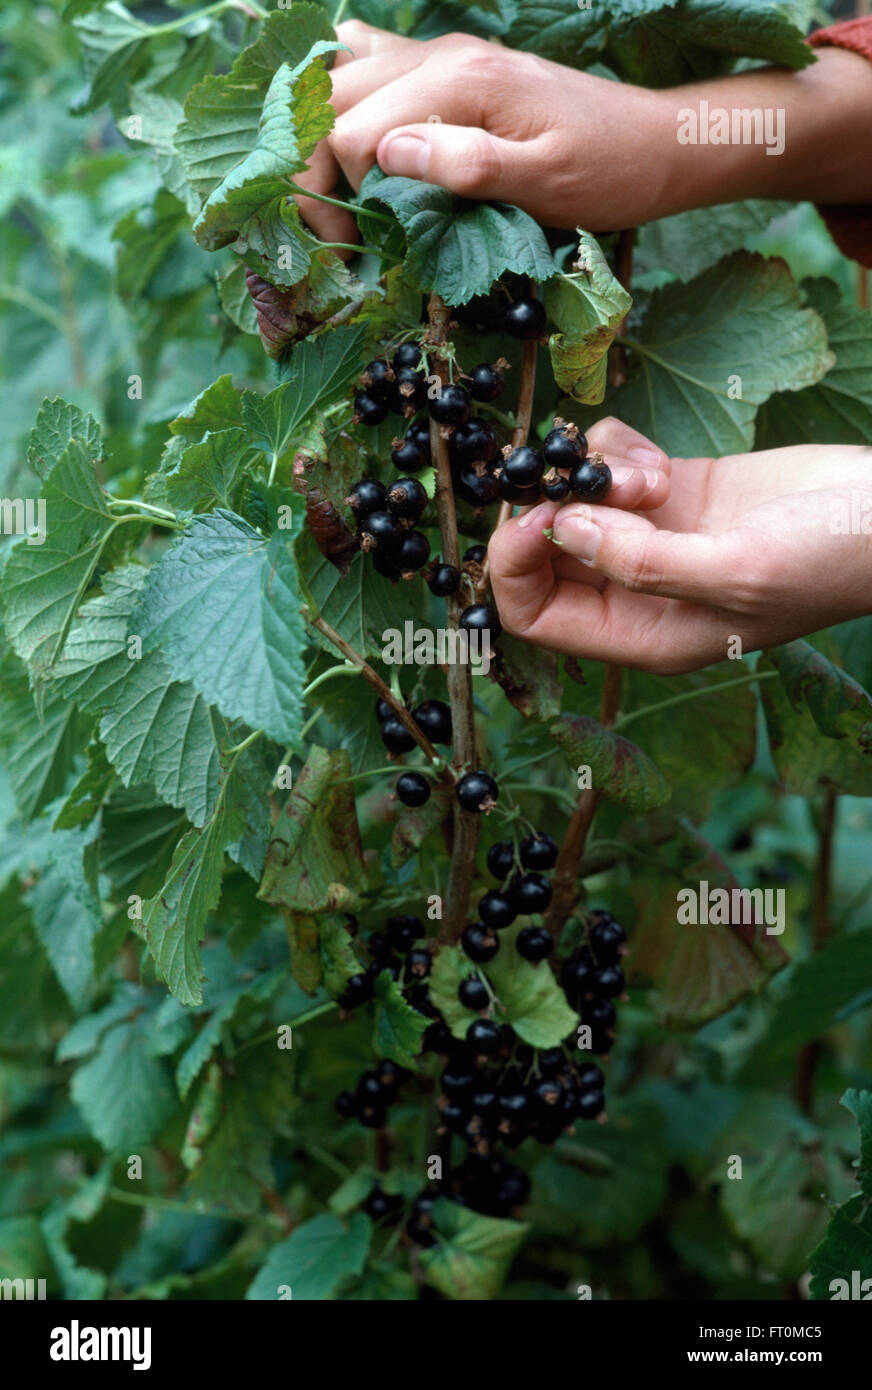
634, 567
353, 30
476, 165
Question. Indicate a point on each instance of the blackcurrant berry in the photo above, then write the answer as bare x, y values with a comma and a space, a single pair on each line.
590, 1104
458, 1082
591, 480
519, 496
383, 1206
486, 382
475, 555
501, 858
412, 553
407, 355
590, 1078
357, 991
369, 495
479, 943
378, 944
483, 1035
372, 1116
552, 1060
453, 1117
525, 318
606, 939
391, 963
404, 930
556, 488
474, 440
534, 943
524, 467
378, 377
369, 1088
539, 852
396, 737
433, 718
514, 1106
409, 455
437, 1038
444, 580
564, 447
420, 1234
577, 978
477, 791
478, 489
418, 963
473, 993
410, 390
453, 405
608, 981
496, 910
481, 617
346, 1105
599, 1013
406, 498
381, 532
413, 789
530, 893
368, 409
547, 1096
383, 711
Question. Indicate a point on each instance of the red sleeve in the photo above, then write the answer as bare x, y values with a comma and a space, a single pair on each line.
850, 224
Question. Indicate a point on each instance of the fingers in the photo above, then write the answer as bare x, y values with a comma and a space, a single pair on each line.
612, 436
365, 41
640, 471
468, 160
628, 548
328, 223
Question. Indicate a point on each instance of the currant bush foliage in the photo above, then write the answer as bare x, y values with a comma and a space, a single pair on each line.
172, 903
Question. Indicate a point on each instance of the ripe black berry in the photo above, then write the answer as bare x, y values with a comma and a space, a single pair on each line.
413, 789
530, 893
538, 852
473, 993
525, 318
453, 1117
407, 355
479, 489
520, 496
552, 1060
458, 1081
368, 409
608, 981
410, 455
378, 377
606, 939
479, 943
383, 711
486, 382
396, 737
590, 1104
412, 553
524, 467
600, 1013
481, 617
383, 532
419, 963
378, 944
564, 447
346, 1105
453, 405
473, 440
590, 1078
591, 480
410, 390
443, 581
576, 978
433, 717
406, 498
474, 555
404, 930
483, 1035
357, 991
534, 943
496, 910
501, 858
383, 1206
547, 1096
477, 791
514, 1105
556, 488
367, 496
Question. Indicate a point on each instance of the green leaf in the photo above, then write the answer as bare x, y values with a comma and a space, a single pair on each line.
450, 966
57, 424
398, 1028
296, 115
532, 1000
337, 957
22, 1249
145, 236
315, 1260
812, 995
456, 248
414, 823
87, 797
813, 697
286, 36
620, 770
474, 1252
233, 1129
529, 676
217, 408
738, 327
66, 913
114, 44
43, 584
360, 605
207, 474
125, 1091
587, 306
77, 1280
38, 753
690, 241
235, 299
315, 858
223, 606
155, 729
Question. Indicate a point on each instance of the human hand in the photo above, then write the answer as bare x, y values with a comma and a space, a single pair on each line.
746, 545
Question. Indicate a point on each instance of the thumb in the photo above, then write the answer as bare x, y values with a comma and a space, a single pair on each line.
630, 549
466, 160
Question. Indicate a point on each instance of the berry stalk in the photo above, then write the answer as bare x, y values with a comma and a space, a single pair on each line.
523, 418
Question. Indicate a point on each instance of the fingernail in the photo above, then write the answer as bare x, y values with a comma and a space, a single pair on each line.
621, 473
406, 154
642, 454
534, 515
652, 478
578, 532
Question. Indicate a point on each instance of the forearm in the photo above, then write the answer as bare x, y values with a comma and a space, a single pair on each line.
826, 127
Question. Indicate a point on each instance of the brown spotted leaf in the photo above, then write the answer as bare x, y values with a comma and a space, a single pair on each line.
619, 769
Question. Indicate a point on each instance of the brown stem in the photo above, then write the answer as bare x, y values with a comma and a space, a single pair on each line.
467, 824
807, 1058
278, 1207
624, 273
572, 848
523, 418
378, 684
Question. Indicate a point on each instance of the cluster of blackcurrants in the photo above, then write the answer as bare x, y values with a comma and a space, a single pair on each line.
592, 979
522, 893
393, 950
494, 1187
476, 791
373, 1095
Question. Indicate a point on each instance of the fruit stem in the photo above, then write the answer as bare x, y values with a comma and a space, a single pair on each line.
569, 858
467, 824
624, 273
523, 418
378, 684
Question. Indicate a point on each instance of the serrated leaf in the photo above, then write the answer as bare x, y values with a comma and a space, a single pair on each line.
587, 306
58, 423
38, 753
90, 792
529, 676
234, 1125
415, 823
397, 1028
456, 248
450, 967
66, 913
217, 408
532, 1001
125, 1090
77, 1280
337, 957
315, 1260
359, 605
474, 1252
812, 995
207, 474
223, 606
315, 858
113, 45
230, 984
43, 584
620, 769
235, 299
690, 241
145, 236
